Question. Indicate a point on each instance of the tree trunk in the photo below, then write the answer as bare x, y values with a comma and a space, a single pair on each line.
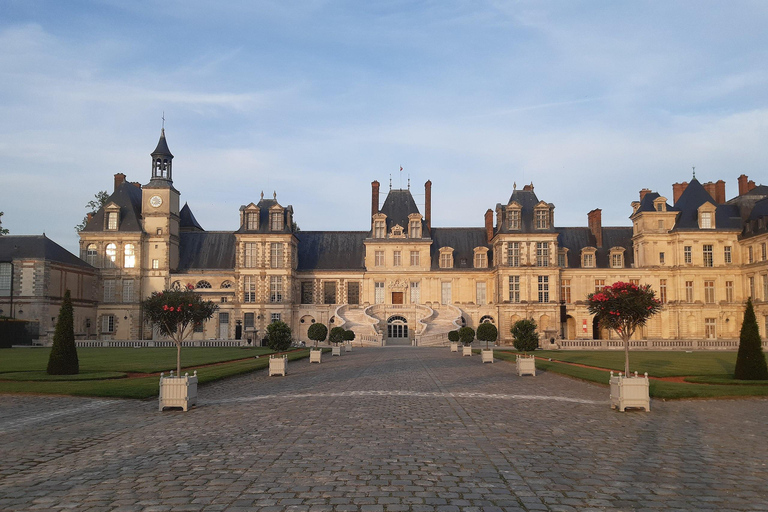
625, 336
178, 359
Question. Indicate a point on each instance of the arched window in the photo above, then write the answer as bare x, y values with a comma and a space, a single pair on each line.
227, 284
111, 256
203, 284
91, 255
176, 285
487, 319
130, 256
397, 327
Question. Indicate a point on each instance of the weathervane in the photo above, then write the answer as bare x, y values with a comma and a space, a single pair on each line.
694, 172
163, 120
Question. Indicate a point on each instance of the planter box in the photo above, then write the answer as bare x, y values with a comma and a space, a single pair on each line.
178, 391
526, 365
315, 356
348, 347
466, 351
487, 355
630, 392
454, 346
336, 351
278, 365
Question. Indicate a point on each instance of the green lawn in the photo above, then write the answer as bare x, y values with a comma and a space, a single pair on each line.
14, 363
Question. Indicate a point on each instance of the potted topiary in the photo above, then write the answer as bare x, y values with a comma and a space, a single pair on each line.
526, 339
336, 336
487, 332
623, 307
316, 332
349, 337
453, 337
175, 313
279, 340
466, 336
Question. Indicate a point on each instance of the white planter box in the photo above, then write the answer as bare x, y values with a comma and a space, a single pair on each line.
454, 346
278, 365
466, 351
487, 355
178, 391
348, 347
336, 351
315, 356
630, 392
526, 365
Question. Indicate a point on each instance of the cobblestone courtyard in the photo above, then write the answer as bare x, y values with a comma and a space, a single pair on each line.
384, 429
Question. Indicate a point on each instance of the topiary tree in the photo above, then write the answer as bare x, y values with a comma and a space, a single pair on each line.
487, 332
623, 307
453, 336
466, 336
336, 335
278, 336
317, 332
750, 361
63, 359
526, 339
349, 335
176, 312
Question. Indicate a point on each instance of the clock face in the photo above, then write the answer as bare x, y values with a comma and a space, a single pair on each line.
155, 201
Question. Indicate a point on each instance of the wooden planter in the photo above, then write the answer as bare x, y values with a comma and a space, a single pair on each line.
278, 365
454, 346
466, 351
348, 347
526, 365
336, 351
487, 355
630, 391
178, 391
315, 356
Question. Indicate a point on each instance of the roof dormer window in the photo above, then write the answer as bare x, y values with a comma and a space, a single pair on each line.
541, 217
112, 220
446, 257
513, 219
705, 221
397, 231
588, 257
617, 257
414, 226
252, 221
111, 217
481, 257
276, 221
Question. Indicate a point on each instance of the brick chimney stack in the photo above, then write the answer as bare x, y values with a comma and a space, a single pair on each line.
595, 221
711, 189
643, 192
677, 190
743, 184
374, 197
119, 180
750, 185
719, 191
489, 224
428, 205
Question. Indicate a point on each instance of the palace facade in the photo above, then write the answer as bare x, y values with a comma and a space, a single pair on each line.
403, 280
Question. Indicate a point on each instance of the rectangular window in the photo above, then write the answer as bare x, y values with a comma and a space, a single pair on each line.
415, 259
198, 327
543, 288
589, 260
514, 219
249, 289
91, 255
446, 260
379, 258
252, 221
155, 264
663, 291
727, 254
706, 220
329, 292
762, 252
542, 219
396, 259
129, 260
112, 220
109, 290
108, 323
689, 291
661, 224
249, 260
565, 291
415, 230
751, 281
710, 331
729, 291
765, 287
379, 293
617, 260
514, 289
513, 254
562, 262
307, 290
274, 317
445, 292
248, 320
378, 229
276, 255
5, 279
707, 252
599, 285
542, 254
276, 221
127, 290
481, 260
661, 258
275, 289
709, 292
353, 292
750, 256
480, 293
415, 292
687, 254
635, 282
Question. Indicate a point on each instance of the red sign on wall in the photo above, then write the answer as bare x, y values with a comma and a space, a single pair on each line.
584, 326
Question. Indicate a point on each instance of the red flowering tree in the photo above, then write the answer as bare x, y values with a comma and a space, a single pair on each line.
623, 307
176, 312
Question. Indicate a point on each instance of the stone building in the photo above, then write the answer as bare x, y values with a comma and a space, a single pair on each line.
404, 280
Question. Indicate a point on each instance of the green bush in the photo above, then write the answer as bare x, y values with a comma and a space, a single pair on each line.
453, 336
487, 332
349, 335
466, 335
525, 336
63, 359
337, 335
278, 336
750, 361
317, 332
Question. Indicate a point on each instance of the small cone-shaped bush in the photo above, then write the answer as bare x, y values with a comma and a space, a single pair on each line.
750, 362
63, 358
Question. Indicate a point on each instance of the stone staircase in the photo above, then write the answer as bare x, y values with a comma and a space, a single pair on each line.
356, 320
439, 325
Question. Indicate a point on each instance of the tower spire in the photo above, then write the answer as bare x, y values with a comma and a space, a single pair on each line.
162, 159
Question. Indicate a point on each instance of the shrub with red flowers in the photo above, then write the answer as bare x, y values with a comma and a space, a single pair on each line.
623, 307
176, 312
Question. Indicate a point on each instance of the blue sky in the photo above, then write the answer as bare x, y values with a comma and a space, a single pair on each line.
591, 101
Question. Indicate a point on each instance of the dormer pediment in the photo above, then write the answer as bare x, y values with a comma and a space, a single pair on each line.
706, 215
514, 205
397, 231
542, 205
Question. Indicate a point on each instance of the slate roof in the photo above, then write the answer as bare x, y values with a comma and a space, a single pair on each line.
331, 250
398, 205
463, 241
162, 146
187, 220
646, 204
206, 250
527, 199
37, 247
759, 210
576, 238
727, 216
128, 198
264, 226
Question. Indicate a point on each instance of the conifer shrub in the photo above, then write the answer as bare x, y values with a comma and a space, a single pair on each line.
526, 339
750, 361
278, 336
63, 359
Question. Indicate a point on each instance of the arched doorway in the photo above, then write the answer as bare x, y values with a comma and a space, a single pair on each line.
596, 328
397, 331
570, 328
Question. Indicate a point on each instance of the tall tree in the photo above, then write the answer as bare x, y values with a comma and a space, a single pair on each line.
3, 231
750, 361
525, 336
99, 200
63, 359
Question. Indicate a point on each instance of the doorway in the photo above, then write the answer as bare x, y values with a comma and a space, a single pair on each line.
397, 297
397, 331
223, 326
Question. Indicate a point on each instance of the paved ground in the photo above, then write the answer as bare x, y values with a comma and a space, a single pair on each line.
384, 429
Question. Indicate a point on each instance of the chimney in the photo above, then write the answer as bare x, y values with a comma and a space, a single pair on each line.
711, 189
743, 184
374, 197
719, 191
489, 224
750, 185
677, 190
119, 180
643, 192
595, 221
428, 206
